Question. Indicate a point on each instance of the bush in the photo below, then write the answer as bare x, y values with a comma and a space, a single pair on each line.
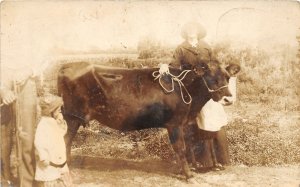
254, 143
264, 76
264, 130
150, 48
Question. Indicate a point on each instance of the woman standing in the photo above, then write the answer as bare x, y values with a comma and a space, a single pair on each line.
186, 55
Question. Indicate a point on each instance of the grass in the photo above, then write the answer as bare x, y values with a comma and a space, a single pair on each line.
264, 129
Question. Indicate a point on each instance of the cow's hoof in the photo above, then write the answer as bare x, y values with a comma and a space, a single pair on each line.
188, 174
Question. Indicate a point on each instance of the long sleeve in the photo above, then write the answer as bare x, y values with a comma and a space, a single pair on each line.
204, 51
41, 141
177, 58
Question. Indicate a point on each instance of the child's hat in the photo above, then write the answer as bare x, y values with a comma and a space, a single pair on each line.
193, 28
50, 103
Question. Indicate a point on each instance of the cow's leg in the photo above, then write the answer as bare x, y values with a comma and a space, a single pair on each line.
191, 140
197, 165
191, 149
73, 126
176, 137
190, 153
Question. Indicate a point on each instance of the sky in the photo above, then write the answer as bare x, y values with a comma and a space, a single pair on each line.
32, 30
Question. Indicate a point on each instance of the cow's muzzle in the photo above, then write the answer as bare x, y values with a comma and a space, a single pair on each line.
227, 100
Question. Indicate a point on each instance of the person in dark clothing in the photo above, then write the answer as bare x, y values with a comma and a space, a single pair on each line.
186, 55
6, 140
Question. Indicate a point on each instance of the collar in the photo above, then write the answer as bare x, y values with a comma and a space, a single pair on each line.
187, 46
194, 50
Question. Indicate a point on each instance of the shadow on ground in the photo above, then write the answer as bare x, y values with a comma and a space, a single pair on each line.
161, 167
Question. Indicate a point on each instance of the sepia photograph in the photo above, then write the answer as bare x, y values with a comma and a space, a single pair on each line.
150, 93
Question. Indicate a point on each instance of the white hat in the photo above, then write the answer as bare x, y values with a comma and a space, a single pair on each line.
193, 28
49, 104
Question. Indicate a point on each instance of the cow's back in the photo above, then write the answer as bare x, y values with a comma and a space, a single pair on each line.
124, 99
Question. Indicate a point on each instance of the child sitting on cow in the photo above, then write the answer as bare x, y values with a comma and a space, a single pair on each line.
51, 168
212, 118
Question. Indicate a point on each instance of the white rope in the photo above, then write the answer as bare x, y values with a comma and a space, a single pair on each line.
210, 90
178, 78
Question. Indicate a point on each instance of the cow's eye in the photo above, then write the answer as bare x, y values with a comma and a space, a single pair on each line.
213, 81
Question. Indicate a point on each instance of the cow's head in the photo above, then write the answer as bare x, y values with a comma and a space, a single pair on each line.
216, 79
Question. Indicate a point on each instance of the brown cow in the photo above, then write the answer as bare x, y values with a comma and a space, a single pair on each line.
130, 99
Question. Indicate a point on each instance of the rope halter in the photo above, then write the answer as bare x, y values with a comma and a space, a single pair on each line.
178, 78
210, 90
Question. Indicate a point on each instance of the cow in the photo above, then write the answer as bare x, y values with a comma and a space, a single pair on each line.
132, 99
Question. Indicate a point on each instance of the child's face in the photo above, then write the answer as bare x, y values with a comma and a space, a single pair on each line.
57, 114
192, 38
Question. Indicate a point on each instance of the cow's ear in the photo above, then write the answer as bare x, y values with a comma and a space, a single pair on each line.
233, 69
200, 68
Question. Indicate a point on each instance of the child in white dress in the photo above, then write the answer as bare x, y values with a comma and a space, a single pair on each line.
51, 168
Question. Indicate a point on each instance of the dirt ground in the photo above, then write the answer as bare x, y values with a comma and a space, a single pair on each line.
113, 161
95, 171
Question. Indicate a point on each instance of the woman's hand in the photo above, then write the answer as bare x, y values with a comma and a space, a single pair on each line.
164, 69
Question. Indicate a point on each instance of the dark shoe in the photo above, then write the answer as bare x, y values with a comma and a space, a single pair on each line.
218, 167
203, 169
